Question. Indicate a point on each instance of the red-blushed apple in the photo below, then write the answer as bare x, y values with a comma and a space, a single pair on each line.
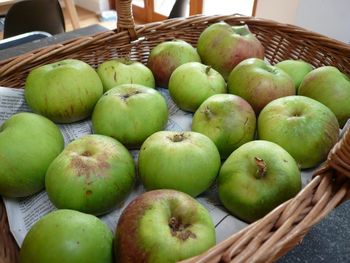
296, 69
184, 161
130, 113
65, 91
223, 46
192, 83
124, 71
256, 178
304, 127
163, 226
228, 120
68, 236
332, 88
259, 83
167, 56
28, 144
93, 174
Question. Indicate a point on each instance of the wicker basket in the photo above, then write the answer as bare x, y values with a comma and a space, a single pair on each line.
279, 231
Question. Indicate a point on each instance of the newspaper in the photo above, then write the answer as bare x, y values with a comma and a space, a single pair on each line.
23, 213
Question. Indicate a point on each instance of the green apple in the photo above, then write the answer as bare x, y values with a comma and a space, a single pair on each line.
92, 175
259, 83
124, 71
130, 113
68, 236
331, 87
184, 161
163, 226
192, 83
304, 127
256, 178
167, 56
65, 91
223, 46
228, 120
296, 69
28, 144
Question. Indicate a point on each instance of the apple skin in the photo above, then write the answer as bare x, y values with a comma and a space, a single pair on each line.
184, 161
192, 83
296, 69
228, 120
256, 178
259, 83
28, 144
68, 236
304, 127
223, 46
92, 175
167, 56
163, 226
124, 71
330, 87
130, 113
65, 91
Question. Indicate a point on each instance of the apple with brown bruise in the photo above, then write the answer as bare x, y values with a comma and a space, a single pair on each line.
65, 91
92, 175
163, 226
223, 46
228, 120
259, 83
167, 56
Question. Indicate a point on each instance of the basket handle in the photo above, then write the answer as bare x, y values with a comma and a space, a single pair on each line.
125, 17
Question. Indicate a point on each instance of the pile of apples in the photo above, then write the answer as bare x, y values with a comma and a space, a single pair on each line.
254, 126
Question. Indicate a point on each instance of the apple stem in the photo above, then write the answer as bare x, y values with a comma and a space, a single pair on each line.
207, 112
260, 163
207, 69
126, 60
86, 153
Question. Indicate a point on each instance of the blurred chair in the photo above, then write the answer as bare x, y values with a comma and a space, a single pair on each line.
34, 15
179, 9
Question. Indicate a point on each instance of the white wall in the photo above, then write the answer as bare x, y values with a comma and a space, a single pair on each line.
228, 7
96, 6
279, 10
328, 17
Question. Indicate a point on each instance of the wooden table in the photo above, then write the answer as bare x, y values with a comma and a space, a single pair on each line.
69, 4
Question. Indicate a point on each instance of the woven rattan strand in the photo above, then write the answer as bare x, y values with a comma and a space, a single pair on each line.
279, 231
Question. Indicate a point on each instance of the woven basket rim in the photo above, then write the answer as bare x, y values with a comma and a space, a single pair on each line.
322, 193
173, 22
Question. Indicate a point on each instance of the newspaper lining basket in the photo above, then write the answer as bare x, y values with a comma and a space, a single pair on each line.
279, 231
